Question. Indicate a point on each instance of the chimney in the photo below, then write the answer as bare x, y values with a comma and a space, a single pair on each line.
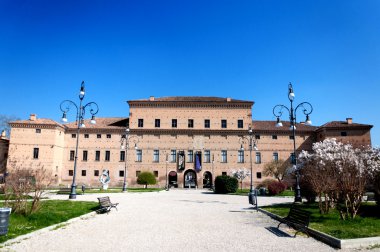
349, 120
228, 99
33, 117
151, 98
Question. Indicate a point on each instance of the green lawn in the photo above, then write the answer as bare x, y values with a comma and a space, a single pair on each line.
115, 190
52, 212
245, 192
366, 224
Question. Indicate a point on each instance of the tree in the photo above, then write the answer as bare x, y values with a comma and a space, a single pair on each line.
21, 183
240, 175
4, 123
277, 169
340, 173
146, 178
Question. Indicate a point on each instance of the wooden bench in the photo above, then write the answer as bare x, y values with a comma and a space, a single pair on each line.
64, 190
105, 205
298, 219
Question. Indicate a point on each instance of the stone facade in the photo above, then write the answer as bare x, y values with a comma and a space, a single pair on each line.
164, 131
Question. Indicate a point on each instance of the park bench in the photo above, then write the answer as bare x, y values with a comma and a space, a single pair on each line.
297, 219
105, 205
64, 190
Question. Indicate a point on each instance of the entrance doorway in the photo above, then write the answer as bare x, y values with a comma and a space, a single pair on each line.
207, 179
173, 179
190, 180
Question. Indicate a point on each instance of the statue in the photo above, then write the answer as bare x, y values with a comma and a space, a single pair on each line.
105, 179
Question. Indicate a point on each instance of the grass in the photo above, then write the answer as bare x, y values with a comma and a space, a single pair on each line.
52, 212
2, 197
366, 224
115, 190
245, 192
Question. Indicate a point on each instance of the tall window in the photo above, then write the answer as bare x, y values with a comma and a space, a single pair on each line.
138, 155
173, 156
157, 123
224, 123
190, 156
190, 123
85, 154
72, 154
207, 156
108, 155
240, 124
71, 173
174, 123
35, 153
140, 123
275, 156
292, 158
156, 156
240, 156
97, 155
224, 156
207, 123
258, 158
122, 155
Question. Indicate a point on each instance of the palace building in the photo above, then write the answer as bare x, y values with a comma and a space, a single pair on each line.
184, 141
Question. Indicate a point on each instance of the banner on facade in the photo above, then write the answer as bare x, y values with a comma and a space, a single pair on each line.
181, 160
198, 161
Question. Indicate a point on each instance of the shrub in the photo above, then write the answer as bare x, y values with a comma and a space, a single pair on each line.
276, 187
307, 191
226, 184
146, 178
376, 189
265, 183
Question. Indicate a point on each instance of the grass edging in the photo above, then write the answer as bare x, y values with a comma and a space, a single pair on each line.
45, 229
332, 241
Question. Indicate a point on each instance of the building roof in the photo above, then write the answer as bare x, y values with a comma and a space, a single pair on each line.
344, 124
191, 99
271, 126
36, 122
102, 123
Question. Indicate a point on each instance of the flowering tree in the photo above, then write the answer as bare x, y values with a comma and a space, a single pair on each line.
340, 173
240, 174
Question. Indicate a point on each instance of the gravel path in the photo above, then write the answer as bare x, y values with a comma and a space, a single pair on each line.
177, 220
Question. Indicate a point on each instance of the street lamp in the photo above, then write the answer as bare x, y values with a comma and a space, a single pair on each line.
125, 145
252, 196
166, 169
277, 112
65, 107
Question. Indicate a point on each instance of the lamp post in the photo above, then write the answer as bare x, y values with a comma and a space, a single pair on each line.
166, 169
125, 145
307, 108
65, 107
252, 196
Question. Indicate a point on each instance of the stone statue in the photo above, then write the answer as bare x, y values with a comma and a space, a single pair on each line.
105, 179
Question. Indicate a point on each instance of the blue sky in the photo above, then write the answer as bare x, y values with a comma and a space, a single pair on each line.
250, 50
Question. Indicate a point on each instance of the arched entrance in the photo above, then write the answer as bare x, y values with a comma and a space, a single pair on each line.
190, 180
172, 180
207, 179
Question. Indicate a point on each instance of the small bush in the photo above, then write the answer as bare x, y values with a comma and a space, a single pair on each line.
226, 184
307, 191
376, 188
146, 178
265, 183
276, 187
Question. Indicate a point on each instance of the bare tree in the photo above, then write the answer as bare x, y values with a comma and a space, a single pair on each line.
277, 169
240, 174
4, 123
